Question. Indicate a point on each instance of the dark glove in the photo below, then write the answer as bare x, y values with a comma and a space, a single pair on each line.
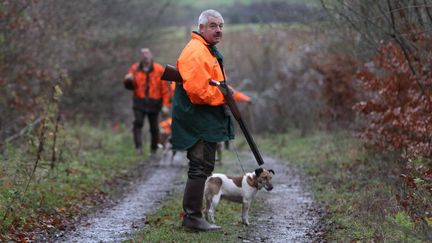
128, 84
225, 89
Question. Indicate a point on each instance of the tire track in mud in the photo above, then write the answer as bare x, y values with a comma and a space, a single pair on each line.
118, 223
289, 212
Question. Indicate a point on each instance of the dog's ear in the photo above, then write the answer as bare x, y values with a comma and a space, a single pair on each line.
258, 171
272, 171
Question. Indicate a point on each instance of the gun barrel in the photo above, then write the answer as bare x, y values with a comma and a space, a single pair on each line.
249, 139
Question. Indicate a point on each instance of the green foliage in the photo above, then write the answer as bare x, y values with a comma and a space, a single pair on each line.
313, 149
359, 188
404, 228
402, 219
87, 158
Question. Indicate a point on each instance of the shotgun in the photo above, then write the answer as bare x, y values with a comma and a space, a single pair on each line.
171, 74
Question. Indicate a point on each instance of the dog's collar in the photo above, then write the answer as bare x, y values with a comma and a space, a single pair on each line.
253, 182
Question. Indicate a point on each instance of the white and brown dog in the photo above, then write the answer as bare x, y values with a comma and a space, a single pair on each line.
241, 189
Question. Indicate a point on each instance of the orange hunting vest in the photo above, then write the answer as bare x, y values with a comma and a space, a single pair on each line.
197, 67
149, 84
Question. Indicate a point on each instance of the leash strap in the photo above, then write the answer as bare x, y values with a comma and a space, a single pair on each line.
238, 158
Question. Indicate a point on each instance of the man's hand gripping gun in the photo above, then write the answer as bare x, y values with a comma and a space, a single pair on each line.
171, 74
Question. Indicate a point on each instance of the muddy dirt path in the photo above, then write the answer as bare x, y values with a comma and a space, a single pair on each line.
117, 223
289, 213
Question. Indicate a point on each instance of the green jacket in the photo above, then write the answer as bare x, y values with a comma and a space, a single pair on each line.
194, 122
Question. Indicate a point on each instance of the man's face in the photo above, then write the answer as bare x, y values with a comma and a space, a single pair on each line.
146, 56
212, 31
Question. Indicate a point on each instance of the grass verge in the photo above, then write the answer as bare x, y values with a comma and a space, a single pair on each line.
165, 224
39, 192
358, 188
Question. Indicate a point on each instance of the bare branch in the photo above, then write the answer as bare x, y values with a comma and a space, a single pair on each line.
402, 45
418, 15
427, 11
23, 131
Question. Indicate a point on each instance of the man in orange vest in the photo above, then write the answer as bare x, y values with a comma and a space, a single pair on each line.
199, 118
150, 96
165, 130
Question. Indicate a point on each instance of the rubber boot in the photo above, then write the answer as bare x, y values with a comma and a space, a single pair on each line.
154, 141
192, 205
137, 135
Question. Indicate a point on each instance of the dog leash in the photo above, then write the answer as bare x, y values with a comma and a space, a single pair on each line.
238, 158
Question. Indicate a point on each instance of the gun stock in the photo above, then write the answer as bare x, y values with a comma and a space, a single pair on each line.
172, 74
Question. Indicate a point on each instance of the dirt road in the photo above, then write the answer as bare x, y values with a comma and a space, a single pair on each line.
287, 213
117, 223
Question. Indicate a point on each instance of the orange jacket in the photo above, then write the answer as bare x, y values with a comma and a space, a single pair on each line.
165, 126
197, 67
171, 88
239, 96
157, 89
